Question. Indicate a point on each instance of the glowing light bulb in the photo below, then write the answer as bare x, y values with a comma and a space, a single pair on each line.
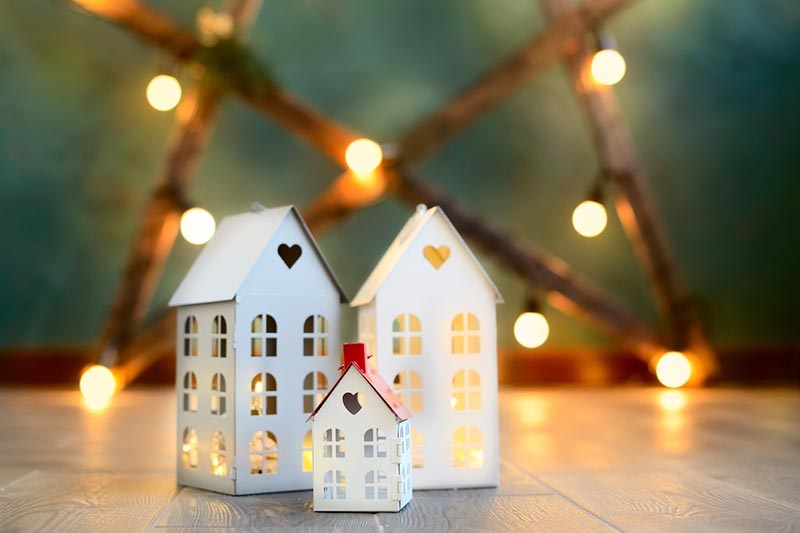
531, 329
163, 92
608, 67
197, 225
589, 218
363, 156
673, 370
97, 386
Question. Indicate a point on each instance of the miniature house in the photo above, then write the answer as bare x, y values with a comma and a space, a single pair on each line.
427, 312
257, 314
362, 443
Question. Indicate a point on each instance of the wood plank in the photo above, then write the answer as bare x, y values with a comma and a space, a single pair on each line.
53, 501
197, 508
670, 500
483, 510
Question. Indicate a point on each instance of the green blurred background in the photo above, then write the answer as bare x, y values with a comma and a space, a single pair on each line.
711, 96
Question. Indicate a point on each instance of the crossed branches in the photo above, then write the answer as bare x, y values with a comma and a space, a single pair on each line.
566, 289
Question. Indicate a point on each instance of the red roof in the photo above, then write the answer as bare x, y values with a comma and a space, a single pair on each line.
355, 355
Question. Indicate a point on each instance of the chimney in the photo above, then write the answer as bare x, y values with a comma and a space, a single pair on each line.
355, 352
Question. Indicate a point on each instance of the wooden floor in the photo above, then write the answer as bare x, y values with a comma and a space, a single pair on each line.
572, 460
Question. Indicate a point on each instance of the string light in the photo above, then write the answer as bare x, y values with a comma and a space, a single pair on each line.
531, 328
590, 218
608, 66
197, 225
363, 156
163, 92
673, 369
97, 386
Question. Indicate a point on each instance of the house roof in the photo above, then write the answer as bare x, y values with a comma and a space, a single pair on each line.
379, 385
402, 243
225, 262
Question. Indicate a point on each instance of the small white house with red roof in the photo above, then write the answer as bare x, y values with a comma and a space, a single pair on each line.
361, 442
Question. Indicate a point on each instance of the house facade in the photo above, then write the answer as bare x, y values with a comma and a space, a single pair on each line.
362, 455
428, 313
257, 315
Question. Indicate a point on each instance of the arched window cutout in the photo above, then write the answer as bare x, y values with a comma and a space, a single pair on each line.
466, 395
408, 386
417, 448
406, 335
334, 485
189, 448
315, 385
263, 453
219, 337
315, 336
366, 334
264, 336
467, 447
466, 331
264, 395
217, 456
190, 337
308, 454
190, 392
376, 485
375, 443
218, 391
333, 443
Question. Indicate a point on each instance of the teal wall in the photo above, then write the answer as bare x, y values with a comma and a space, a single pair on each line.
711, 96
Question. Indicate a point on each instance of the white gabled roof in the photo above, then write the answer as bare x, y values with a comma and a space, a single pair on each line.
226, 261
399, 247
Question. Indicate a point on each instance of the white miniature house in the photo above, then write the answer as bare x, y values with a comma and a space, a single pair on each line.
428, 313
362, 443
257, 313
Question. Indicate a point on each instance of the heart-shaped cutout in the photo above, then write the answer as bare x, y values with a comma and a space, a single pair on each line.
353, 402
290, 254
436, 256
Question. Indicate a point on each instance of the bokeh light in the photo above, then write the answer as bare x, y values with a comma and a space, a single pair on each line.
97, 386
589, 218
531, 329
197, 225
608, 67
363, 156
673, 370
163, 92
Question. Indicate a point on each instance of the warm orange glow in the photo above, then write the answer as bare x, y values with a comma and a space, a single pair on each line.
531, 329
673, 370
363, 156
163, 92
672, 400
608, 67
589, 218
197, 225
308, 461
97, 386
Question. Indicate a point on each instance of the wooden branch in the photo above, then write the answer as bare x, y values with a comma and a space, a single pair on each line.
194, 121
634, 204
566, 289
309, 124
346, 194
500, 82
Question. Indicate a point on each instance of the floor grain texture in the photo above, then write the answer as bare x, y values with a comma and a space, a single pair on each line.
629, 459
